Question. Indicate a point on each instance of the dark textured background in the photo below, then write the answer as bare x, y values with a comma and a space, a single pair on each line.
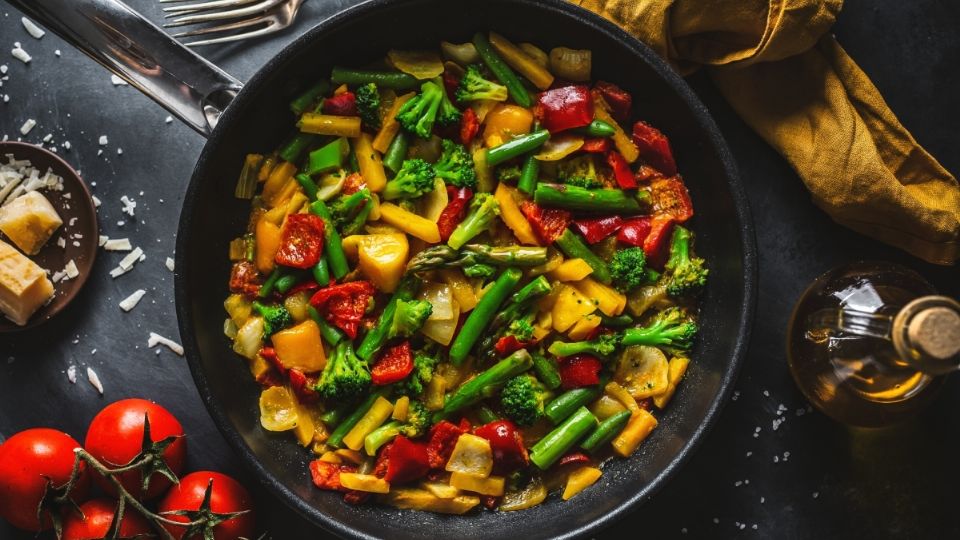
834, 483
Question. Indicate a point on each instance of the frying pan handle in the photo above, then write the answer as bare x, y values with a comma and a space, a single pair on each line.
129, 45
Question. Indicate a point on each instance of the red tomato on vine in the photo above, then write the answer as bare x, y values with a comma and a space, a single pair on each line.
95, 518
211, 495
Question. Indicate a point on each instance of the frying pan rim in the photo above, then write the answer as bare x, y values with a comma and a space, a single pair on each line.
704, 121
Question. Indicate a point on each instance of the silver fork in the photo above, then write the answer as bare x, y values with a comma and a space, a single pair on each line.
256, 17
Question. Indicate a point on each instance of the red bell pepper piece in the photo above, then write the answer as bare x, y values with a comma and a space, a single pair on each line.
506, 442
344, 104
406, 460
443, 437
597, 145
510, 344
394, 364
302, 386
620, 102
469, 126
655, 245
565, 108
596, 229
654, 148
456, 209
344, 304
327, 475
450, 82
548, 223
670, 197
646, 174
270, 355
634, 231
353, 183
301, 243
621, 171
574, 457
579, 370
244, 278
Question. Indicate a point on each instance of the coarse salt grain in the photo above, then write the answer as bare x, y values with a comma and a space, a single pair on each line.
168, 119
157, 339
94, 380
102, 140
117, 81
131, 301
170, 264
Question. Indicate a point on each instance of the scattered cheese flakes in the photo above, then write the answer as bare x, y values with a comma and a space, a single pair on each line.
119, 151
117, 272
94, 380
168, 119
129, 205
58, 276
72, 374
131, 301
61, 242
21, 54
96, 201
71, 268
117, 81
103, 140
170, 264
57, 52
127, 262
157, 339
32, 28
117, 244
66, 145
103, 240
3, 69
27, 126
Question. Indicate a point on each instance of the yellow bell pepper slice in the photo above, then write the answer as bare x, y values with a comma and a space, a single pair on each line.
401, 408
329, 124
259, 367
580, 480
471, 456
421, 499
390, 125
306, 427
299, 347
383, 258
638, 428
525, 64
506, 197
351, 456
623, 142
370, 163
583, 327
491, 485
410, 223
569, 307
331, 457
375, 417
571, 270
267, 237
280, 185
677, 368
364, 482
506, 122
610, 301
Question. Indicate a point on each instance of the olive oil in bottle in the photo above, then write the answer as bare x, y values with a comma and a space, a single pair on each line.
869, 343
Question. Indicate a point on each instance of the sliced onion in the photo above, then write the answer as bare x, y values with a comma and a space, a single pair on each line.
330, 185
528, 496
440, 297
249, 338
471, 455
461, 53
442, 331
571, 64
433, 203
559, 147
421, 64
278, 409
536, 53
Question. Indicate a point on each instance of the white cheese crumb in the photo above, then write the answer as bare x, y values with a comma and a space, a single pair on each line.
94, 380
117, 244
103, 140
119, 151
57, 52
72, 222
27, 126
96, 201
103, 240
157, 339
127, 262
131, 301
168, 119
58, 276
21, 54
66, 145
128, 205
47, 137
32, 28
762, 500
816, 494
3, 69
117, 272
71, 268
72, 374
117, 81
61, 243
170, 264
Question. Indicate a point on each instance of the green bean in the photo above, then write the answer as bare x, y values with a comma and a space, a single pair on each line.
333, 417
336, 438
285, 283
396, 152
579, 199
483, 385
597, 128
383, 79
378, 335
502, 71
486, 414
556, 443
301, 102
308, 185
546, 370
292, 150
621, 321
563, 405
482, 314
267, 288
321, 272
573, 247
516, 147
330, 334
606, 431
328, 157
335, 255
529, 175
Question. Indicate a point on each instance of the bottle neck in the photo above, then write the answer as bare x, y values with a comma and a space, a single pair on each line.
926, 334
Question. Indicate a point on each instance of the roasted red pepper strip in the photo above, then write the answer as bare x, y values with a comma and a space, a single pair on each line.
596, 229
344, 104
450, 82
598, 145
302, 386
344, 305
327, 475
456, 209
646, 174
621, 171
270, 355
654, 148
565, 108
670, 197
579, 370
394, 364
634, 231
353, 183
301, 243
443, 437
573, 457
655, 245
548, 223
506, 442
469, 126
406, 461
244, 278
620, 102
510, 344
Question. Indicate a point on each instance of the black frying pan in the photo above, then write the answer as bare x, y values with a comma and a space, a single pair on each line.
255, 118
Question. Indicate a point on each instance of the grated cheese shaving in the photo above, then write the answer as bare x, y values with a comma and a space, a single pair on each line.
94, 380
32, 28
131, 301
157, 339
117, 244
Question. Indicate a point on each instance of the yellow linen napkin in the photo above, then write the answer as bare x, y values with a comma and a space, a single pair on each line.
796, 87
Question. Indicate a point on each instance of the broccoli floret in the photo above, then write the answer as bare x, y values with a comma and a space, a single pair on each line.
523, 399
448, 114
508, 173
520, 329
423, 367
417, 424
419, 113
474, 87
628, 268
345, 376
685, 274
350, 212
579, 171
603, 345
409, 317
455, 166
368, 105
414, 178
671, 327
484, 209
480, 270
275, 317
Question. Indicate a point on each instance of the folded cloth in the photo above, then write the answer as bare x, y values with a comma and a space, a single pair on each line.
798, 89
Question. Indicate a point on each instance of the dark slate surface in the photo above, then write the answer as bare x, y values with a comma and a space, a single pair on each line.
811, 478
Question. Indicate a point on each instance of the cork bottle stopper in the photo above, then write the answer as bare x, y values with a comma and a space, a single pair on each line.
935, 332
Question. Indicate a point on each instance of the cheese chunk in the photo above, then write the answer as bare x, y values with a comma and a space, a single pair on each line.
24, 286
29, 221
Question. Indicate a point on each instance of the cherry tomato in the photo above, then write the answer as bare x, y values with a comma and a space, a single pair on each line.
227, 496
115, 437
394, 364
301, 243
94, 520
27, 461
